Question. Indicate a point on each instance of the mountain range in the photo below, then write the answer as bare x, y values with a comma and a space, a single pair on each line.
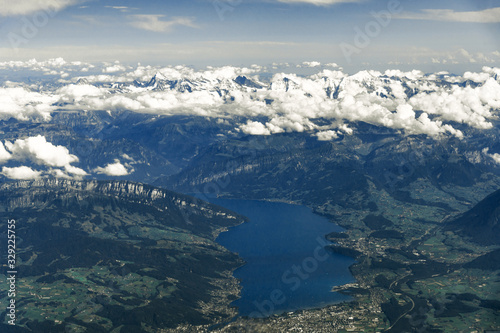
402, 161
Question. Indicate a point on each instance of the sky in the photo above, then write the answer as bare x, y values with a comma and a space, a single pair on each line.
453, 35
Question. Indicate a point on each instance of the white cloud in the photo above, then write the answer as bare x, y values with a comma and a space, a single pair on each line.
477, 77
4, 154
327, 135
332, 64
41, 152
22, 172
285, 103
114, 68
154, 22
467, 105
78, 92
37, 150
23, 104
495, 156
311, 63
255, 128
54, 66
493, 71
366, 96
58, 173
114, 169
491, 15
76, 172
125, 156
321, 2
25, 7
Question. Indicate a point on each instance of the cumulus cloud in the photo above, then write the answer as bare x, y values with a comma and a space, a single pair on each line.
77, 92
255, 128
114, 68
4, 154
477, 77
23, 104
156, 24
114, 169
463, 105
39, 151
311, 63
25, 7
491, 15
367, 96
125, 156
22, 173
327, 135
495, 156
56, 159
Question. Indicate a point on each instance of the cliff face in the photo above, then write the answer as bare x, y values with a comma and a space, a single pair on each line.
179, 210
127, 254
124, 189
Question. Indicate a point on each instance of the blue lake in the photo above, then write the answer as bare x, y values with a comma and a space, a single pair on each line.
287, 267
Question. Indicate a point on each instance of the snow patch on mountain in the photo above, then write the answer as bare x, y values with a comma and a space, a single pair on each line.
321, 103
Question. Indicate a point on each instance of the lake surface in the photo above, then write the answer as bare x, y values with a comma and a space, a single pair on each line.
287, 267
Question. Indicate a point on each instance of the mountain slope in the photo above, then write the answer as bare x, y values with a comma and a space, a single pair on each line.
105, 255
482, 222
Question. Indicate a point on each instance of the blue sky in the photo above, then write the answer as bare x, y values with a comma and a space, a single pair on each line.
429, 35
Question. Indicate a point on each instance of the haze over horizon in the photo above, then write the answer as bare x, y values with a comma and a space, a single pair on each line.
356, 34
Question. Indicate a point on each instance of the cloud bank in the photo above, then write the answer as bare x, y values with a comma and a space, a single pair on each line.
24, 104
322, 104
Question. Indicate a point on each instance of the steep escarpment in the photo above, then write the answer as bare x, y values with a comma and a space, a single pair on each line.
116, 255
